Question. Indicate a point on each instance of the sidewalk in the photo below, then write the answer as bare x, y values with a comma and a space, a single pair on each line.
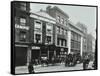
56, 67
24, 69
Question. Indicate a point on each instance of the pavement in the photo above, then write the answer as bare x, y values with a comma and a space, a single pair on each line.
50, 68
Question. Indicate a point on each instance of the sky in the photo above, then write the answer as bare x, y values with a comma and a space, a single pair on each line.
85, 15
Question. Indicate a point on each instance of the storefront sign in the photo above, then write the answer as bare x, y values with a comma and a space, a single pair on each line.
21, 27
35, 47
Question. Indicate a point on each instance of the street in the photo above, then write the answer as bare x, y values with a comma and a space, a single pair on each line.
50, 68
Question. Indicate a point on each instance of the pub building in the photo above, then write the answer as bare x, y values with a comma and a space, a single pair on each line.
42, 35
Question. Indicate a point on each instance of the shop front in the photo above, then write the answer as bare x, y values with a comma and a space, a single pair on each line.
21, 55
51, 52
35, 53
61, 53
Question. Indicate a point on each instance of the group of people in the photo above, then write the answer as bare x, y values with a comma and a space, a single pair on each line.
70, 60
86, 61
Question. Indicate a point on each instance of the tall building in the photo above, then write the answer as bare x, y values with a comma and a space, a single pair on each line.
69, 37
61, 30
22, 27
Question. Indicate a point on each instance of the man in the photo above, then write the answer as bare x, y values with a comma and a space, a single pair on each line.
86, 61
31, 68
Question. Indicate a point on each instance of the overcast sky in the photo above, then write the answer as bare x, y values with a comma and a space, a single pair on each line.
85, 15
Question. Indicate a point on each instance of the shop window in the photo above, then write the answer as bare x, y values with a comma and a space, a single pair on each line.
22, 36
22, 21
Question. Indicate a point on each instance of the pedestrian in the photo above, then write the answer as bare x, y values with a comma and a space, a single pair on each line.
31, 68
86, 61
66, 61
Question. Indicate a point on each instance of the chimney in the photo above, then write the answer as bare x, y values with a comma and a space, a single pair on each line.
48, 9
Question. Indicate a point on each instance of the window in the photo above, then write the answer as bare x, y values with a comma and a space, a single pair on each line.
72, 44
65, 32
79, 38
58, 29
49, 29
62, 21
62, 31
58, 18
48, 38
58, 41
38, 26
61, 42
65, 42
22, 36
38, 38
23, 6
16, 20
72, 35
75, 36
22, 21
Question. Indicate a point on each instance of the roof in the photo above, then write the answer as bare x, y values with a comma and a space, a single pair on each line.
55, 7
44, 14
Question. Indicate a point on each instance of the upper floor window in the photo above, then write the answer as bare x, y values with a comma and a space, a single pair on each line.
48, 39
62, 20
49, 29
23, 6
37, 38
22, 21
76, 37
62, 31
58, 29
38, 26
79, 38
22, 36
58, 18
72, 35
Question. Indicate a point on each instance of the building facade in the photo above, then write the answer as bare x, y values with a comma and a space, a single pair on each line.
42, 34
69, 37
22, 27
46, 32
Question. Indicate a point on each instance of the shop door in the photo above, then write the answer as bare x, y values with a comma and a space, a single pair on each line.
35, 54
20, 56
51, 54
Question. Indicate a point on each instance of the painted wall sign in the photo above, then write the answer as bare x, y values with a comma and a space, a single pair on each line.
21, 27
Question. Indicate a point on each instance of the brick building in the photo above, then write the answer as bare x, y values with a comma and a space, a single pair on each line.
42, 34
69, 37
48, 32
22, 36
